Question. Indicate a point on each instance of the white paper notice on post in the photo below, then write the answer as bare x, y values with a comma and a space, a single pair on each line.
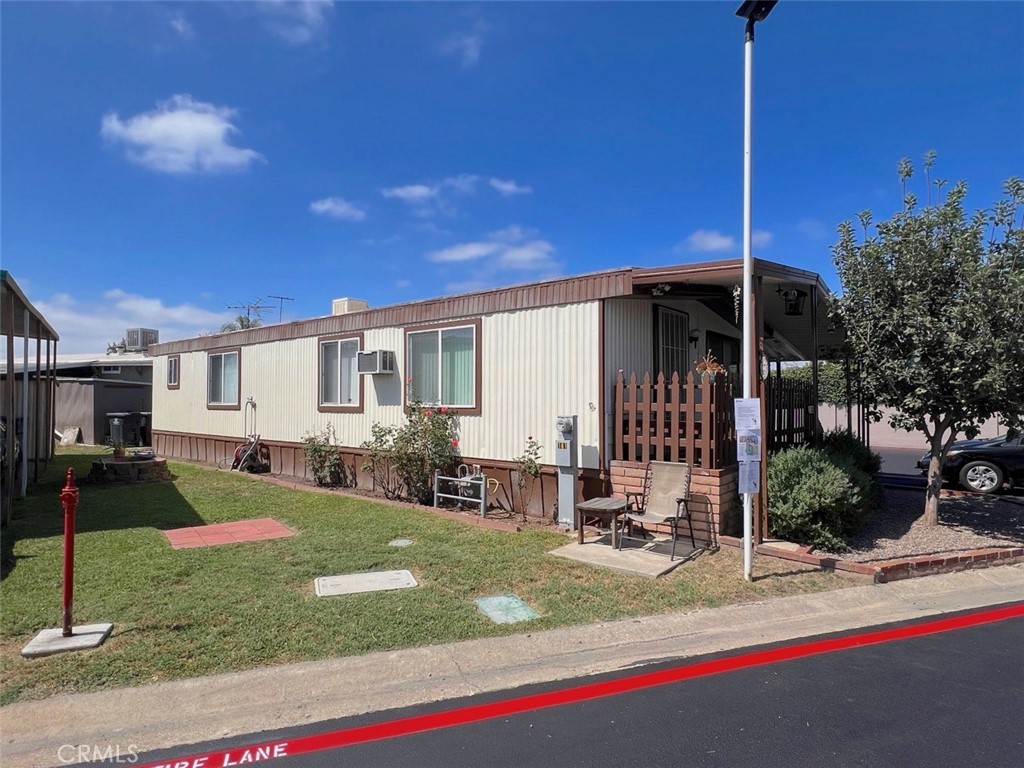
750, 477
748, 445
748, 413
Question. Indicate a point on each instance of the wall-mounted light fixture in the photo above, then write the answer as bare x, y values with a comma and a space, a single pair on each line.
694, 337
794, 300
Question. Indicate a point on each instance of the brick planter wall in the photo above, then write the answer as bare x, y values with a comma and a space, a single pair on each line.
713, 504
115, 471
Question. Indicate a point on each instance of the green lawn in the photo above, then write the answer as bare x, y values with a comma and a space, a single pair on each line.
182, 613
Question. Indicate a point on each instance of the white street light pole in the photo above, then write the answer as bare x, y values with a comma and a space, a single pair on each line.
753, 11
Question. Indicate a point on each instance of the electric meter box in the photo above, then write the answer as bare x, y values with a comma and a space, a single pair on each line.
565, 442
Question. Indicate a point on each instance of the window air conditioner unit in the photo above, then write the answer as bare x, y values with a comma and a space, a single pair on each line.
376, 361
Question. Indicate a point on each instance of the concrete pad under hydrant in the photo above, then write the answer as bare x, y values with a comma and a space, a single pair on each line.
51, 641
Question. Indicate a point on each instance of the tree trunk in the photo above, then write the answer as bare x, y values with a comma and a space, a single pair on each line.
931, 503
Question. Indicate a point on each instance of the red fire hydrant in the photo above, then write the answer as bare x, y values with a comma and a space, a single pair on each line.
69, 500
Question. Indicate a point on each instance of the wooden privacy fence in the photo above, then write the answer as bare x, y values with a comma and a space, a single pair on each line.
790, 413
674, 420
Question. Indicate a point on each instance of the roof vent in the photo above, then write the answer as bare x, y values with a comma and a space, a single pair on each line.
344, 306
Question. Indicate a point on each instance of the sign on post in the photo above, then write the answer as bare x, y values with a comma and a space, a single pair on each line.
748, 430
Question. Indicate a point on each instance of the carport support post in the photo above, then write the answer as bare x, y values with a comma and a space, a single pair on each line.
25, 432
69, 500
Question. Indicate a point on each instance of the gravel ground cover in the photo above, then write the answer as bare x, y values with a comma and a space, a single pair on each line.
966, 522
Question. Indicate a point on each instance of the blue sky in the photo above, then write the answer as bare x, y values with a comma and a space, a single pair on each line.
161, 162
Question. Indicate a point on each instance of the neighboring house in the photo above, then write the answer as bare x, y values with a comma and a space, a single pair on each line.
508, 361
90, 387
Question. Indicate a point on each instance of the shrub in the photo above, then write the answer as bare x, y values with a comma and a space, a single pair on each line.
841, 442
814, 499
527, 466
322, 457
405, 457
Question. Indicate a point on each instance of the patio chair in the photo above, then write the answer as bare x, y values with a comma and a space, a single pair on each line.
664, 501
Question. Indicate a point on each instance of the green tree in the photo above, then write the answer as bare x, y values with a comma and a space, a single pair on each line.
933, 306
240, 323
831, 381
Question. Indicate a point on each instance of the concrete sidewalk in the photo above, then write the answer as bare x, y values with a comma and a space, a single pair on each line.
189, 711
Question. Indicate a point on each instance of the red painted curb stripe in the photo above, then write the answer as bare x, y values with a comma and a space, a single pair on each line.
269, 750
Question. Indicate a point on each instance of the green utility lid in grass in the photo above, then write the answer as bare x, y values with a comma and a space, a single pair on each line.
505, 609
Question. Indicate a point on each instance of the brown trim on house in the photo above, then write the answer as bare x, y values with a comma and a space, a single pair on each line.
726, 268
177, 369
237, 405
572, 290
320, 406
477, 324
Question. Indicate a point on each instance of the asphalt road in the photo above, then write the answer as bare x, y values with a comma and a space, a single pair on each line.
953, 698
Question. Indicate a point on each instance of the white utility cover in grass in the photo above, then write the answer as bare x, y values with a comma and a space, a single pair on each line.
400, 542
505, 609
352, 583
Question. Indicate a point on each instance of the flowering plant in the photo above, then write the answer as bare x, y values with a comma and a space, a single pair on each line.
709, 365
405, 457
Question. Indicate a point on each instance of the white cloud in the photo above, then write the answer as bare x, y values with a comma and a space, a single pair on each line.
532, 255
297, 23
182, 26
465, 252
430, 199
510, 249
713, 241
181, 136
509, 188
466, 47
87, 327
464, 183
708, 241
411, 193
337, 208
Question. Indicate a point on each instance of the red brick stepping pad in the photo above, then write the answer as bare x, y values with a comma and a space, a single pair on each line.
227, 533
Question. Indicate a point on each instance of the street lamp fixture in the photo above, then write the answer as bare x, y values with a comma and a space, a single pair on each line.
753, 11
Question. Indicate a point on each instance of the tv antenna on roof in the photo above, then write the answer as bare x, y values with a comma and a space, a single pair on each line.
281, 301
252, 308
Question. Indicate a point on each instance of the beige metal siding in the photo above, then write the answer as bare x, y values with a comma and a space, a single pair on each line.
537, 364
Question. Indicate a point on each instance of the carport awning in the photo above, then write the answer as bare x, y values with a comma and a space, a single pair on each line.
12, 317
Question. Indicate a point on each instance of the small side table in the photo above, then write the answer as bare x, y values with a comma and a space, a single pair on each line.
605, 509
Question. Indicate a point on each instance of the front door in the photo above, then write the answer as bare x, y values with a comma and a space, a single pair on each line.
671, 335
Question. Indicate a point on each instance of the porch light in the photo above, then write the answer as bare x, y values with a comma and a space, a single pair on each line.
794, 300
694, 337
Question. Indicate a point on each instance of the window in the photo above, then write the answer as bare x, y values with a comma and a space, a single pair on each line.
111, 369
222, 380
671, 335
444, 365
340, 385
173, 366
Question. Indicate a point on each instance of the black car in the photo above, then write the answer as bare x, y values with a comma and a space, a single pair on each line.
984, 466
